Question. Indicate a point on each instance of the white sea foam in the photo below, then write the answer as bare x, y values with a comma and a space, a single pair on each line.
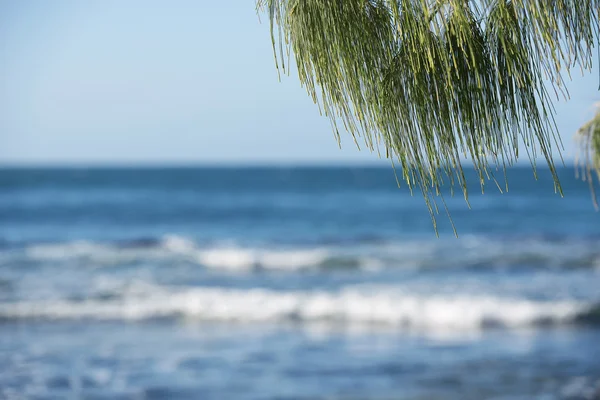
177, 244
472, 252
175, 249
64, 251
243, 259
168, 246
351, 306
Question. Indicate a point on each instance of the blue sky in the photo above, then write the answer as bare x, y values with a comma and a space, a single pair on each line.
167, 82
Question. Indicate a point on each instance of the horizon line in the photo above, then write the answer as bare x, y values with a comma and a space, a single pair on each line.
244, 164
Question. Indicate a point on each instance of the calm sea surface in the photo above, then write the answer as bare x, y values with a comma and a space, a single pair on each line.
294, 283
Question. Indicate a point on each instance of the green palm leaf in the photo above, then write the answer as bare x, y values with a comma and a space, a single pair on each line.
434, 82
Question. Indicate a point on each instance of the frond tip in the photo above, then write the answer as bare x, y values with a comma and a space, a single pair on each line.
438, 81
589, 151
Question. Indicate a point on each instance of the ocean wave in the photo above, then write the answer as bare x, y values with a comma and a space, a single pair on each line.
362, 306
581, 388
177, 249
464, 253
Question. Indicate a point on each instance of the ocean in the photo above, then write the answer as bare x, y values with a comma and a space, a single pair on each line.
294, 283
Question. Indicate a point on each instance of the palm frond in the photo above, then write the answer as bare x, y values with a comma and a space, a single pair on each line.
436, 81
588, 137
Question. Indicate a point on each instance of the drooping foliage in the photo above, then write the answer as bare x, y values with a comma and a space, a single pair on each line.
589, 142
434, 82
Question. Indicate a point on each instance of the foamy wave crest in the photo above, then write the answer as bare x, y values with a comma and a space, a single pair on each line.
352, 306
112, 252
467, 253
234, 258
66, 251
177, 249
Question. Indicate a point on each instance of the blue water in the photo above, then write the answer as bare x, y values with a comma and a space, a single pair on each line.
294, 283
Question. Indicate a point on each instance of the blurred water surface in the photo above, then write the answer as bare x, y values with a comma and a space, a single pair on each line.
294, 283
